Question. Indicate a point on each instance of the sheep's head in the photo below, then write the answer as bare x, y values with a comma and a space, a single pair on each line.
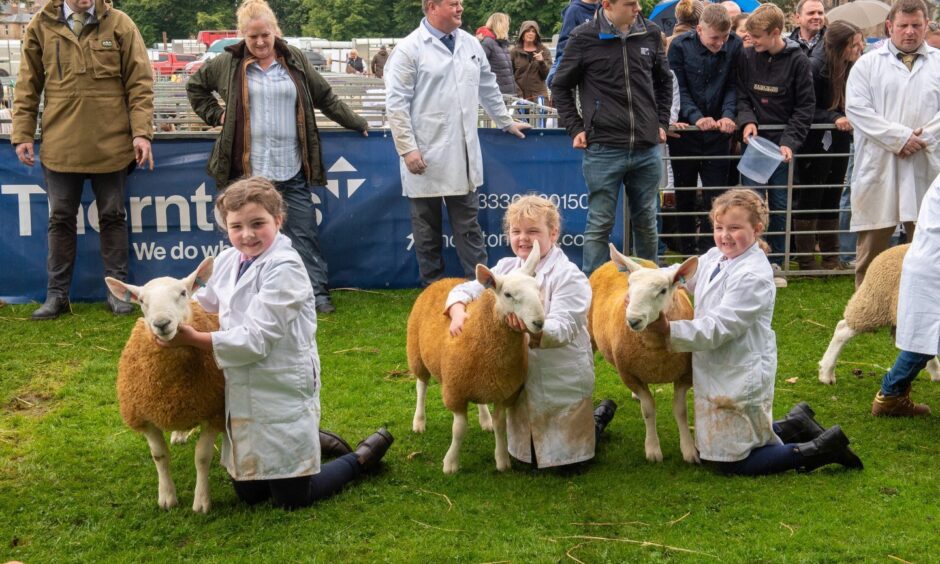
517, 292
163, 301
650, 290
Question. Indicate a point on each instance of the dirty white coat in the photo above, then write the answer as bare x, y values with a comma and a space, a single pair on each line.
918, 308
554, 411
267, 349
734, 354
885, 104
432, 98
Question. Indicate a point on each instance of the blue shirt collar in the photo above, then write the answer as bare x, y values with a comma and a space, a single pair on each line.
434, 31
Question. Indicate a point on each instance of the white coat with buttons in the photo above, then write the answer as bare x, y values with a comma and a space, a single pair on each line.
918, 308
734, 354
266, 346
554, 410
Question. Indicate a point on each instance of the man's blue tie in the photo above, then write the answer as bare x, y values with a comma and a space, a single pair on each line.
243, 266
448, 40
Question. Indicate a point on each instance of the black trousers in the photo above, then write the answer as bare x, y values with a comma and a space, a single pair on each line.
64, 192
685, 173
303, 491
822, 170
427, 225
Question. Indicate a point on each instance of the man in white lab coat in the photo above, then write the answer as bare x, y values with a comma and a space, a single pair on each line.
892, 103
435, 80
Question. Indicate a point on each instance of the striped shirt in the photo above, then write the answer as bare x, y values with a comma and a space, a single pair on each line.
272, 101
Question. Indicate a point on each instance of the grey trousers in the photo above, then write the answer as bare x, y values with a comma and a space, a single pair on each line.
64, 192
427, 220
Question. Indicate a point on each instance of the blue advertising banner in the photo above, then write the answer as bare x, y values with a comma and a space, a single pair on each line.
364, 221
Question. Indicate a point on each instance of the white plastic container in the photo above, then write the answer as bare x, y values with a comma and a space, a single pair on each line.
760, 159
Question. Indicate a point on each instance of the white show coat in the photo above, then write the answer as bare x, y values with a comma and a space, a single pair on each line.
267, 349
885, 103
918, 308
734, 354
432, 98
554, 411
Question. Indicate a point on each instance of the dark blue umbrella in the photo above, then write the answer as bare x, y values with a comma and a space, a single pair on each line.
664, 13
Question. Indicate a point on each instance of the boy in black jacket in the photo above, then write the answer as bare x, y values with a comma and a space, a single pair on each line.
775, 87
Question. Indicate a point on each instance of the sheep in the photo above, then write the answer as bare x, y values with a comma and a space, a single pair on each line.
486, 363
162, 389
642, 357
873, 305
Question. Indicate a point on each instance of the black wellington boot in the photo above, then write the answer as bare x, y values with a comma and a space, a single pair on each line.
799, 426
831, 447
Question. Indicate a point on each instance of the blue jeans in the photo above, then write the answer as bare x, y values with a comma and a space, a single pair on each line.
605, 169
300, 226
846, 239
905, 369
777, 200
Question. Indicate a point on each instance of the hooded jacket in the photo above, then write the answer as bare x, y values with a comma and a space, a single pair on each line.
98, 90
572, 15
529, 73
225, 74
624, 84
777, 90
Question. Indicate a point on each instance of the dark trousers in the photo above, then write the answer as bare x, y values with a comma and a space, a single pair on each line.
301, 228
685, 173
64, 192
427, 225
768, 459
822, 170
293, 493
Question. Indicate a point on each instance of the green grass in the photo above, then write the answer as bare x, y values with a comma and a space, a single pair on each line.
76, 485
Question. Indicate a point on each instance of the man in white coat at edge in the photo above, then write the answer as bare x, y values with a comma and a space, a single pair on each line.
918, 331
892, 103
435, 80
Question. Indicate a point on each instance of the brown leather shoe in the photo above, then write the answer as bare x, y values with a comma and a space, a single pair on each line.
372, 448
332, 444
898, 406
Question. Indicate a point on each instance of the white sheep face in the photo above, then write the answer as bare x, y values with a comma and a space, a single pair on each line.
518, 292
164, 301
651, 289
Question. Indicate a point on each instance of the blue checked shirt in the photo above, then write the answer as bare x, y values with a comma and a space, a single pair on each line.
272, 101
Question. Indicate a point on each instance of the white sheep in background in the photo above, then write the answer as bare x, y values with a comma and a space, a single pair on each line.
171, 389
873, 305
486, 363
642, 357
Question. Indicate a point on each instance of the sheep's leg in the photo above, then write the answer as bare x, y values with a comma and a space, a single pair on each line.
486, 421
680, 410
648, 407
933, 368
827, 366
418, 424
502, 443
166, 491
459, 428
204, 451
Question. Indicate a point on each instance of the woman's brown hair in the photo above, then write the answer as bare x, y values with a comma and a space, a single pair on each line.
839, 36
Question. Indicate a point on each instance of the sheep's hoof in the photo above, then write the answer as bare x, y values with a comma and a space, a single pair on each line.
418, 425
451, 467
502, 463
933, 368
167, 501
654, 455
827, 376
201, 505
691, 457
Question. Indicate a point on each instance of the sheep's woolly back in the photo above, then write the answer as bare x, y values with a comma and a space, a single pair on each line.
486, 363
875, 303
173, 388
637, 356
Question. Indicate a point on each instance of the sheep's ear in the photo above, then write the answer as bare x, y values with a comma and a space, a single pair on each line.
486, 277
200, 277
621, 261
123, 291
686, 270
532, 262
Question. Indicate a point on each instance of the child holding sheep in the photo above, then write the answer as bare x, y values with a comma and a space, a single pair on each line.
552, 422
266, 346
734, 355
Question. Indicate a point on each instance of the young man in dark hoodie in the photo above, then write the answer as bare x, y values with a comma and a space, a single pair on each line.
573, 15
775, 87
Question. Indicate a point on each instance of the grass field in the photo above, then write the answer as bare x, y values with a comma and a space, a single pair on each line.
77, 485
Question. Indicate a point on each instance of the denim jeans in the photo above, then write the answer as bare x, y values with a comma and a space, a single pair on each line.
902, 373
847, 239
605, 169
301, 228
777, 201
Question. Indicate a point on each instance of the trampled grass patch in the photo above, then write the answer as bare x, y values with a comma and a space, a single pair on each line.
77, 485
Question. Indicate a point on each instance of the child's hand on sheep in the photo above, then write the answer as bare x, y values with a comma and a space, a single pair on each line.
186, 336
458, 314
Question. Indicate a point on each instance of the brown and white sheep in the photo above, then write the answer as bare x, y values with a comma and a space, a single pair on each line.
171, 389
486, 363
873, 305
643, 357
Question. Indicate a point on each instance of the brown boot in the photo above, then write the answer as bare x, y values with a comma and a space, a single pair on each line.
332, 444
372, 448
828, 243
805, 243
898, 406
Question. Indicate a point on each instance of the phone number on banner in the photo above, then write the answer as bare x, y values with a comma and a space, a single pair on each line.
563, 201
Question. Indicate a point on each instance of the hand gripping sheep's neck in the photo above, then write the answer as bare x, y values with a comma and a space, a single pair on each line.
486, 363
171, 389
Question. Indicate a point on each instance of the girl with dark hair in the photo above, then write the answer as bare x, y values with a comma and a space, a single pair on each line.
830, 65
